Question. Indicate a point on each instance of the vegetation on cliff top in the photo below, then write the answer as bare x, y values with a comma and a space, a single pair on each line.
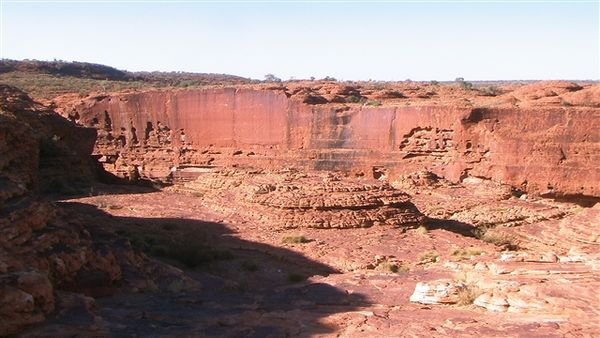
48, 79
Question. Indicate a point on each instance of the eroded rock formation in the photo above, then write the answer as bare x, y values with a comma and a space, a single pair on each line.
298, 200
47, 250
518, 138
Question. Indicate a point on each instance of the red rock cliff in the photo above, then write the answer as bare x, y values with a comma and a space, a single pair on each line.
154, 134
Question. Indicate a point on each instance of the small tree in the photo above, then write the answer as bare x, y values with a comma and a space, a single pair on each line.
464, 84
272, 78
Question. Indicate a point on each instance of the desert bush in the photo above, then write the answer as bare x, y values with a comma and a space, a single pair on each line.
467, 294
374, 103
429, 256
48, 86
355, 99
491, 91
393, 267
470, 289
500, 239
464, 84
272, 78
193, 255
294, 239
190, 252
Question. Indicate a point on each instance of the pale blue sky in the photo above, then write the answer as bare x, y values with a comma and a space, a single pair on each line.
351, 41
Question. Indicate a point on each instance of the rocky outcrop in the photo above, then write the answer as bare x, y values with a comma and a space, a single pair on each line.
38, 250
437, 292
41, 150
554, 252
297, 200
45, 248
548, 148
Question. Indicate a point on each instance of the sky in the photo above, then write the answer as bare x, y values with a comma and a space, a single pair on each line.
351, 40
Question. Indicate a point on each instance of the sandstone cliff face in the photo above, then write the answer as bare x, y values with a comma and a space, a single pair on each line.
157, 135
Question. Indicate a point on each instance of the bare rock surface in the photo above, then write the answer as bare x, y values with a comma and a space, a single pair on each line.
540, 137
369, 281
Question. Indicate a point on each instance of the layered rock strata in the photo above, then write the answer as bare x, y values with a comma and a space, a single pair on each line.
295, 200
540, 147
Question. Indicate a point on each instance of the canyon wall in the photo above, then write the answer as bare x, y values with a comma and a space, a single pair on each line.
165, 135
44, 248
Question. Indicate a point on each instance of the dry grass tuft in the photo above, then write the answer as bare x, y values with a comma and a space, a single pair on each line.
466, 253
422, 230
395, 267
470, 291
468, 294
429, 256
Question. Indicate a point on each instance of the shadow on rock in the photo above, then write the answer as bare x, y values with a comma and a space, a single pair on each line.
460, 228
239, 288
